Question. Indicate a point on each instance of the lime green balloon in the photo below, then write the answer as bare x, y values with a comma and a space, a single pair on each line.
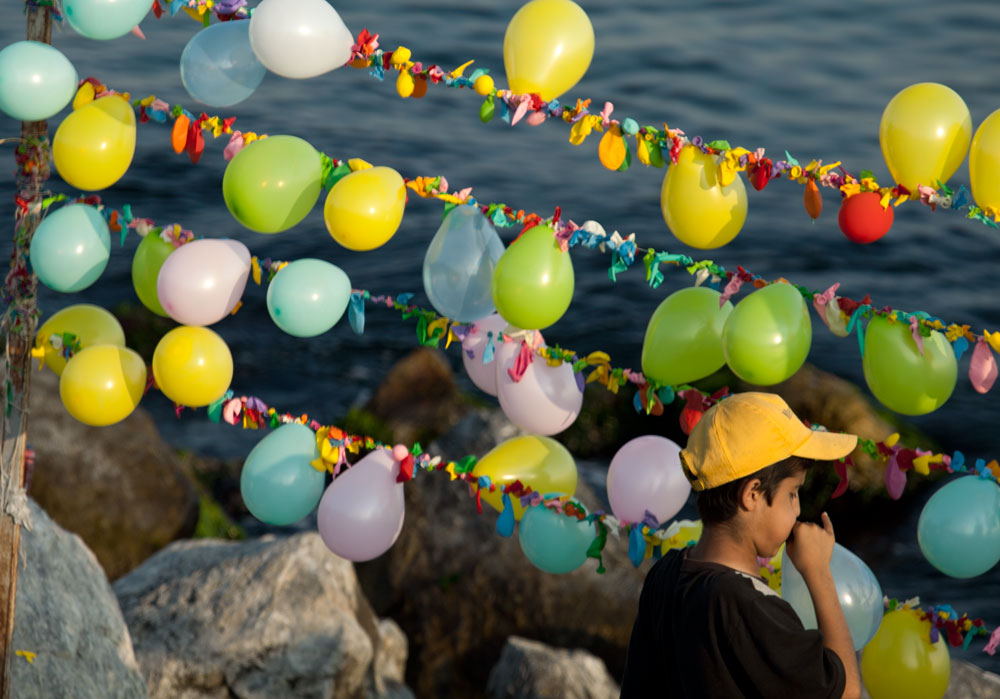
149, 257
533, 281
684, 337
903, 379
768, 334
273, 183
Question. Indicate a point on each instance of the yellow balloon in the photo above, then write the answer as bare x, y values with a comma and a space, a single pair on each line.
901, 661
924, 132
364, 208
103, 384
547, 47
697, 208
92, 325
192, 366
539, 462
94, 145
984, 163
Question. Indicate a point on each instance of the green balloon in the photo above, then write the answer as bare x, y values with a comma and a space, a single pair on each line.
273, 183
768, 334
903, 379
684, 337
533, 281
146, 263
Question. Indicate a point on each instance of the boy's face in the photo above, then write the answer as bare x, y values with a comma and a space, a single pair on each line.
774, 522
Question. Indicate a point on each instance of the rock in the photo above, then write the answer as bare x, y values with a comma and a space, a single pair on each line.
263, 618
68, 616
529, 669
120, 488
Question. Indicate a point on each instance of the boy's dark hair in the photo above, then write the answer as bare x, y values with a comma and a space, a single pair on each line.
720, 504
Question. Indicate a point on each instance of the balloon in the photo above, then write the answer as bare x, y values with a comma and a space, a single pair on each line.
697, 208
768, 334
984, 162
547, 47
36, 81
901, 661
307, 297
459, 264
484, 332
959, 527
103, 384
92, 325
105, 19
192, 366
273, 183
149, 257
533, 281
94, 145
858, 590
903, 379
218, 67
278, 484
361, 513
299, 38
364, 209
683, 340
70, 248
862, 218
646, 475
546, 400
554, 542
924, 133
539, 462
202, 281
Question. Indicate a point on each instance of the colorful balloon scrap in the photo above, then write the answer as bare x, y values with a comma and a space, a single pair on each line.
364, 208
278, 482
36, 81
70, 248
93, 146
85, 324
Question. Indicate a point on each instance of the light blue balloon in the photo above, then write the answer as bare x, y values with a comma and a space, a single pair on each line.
459, 264
36, 81
278, 484
554, 542
218, 67
307, 297
70, 248
105, 19
858, 589
959, 527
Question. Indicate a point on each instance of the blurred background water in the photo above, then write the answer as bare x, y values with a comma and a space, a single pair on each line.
811, 78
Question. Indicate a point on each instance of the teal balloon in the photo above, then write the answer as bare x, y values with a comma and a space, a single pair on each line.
70, 248
278, 483
218, 67
36, 81
105, 19
554, 542
768, 334
683, 340
959, 527
307, 297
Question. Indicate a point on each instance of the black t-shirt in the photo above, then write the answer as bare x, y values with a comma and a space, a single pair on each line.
705, 630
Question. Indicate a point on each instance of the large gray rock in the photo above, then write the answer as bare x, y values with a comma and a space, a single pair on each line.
531, 670
69, 618
264, 618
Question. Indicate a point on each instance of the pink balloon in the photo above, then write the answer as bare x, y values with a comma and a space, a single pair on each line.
201, 281
483, 375
546, 400
646, 474
361, 513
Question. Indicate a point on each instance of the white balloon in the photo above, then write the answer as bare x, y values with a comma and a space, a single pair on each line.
201, 282
299, 38
483, 374
545, 401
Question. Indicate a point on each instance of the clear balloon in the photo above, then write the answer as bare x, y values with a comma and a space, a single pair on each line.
192, 366
105, 19
361, 513
646, 476
554, 542
683, 340
547, 47
959, 527
89, 325
533, 281
202, 281
984, 162
149, 257
364, 209
278, 483
36, 81
93, 146
696, 207
103, 384
901, 661
299, 38
484, 332
539, 462
218, 67
70, 248
546, 400
307, 297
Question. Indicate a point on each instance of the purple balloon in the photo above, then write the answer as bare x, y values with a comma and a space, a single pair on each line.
646, 474
361, 513
483, 375
545, 401
200, 282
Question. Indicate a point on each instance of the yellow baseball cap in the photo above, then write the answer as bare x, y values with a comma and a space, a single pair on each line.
746, 432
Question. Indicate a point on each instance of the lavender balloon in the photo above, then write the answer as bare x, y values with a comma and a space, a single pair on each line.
546, 400
646, 474
361, 513
484, 375
201, 282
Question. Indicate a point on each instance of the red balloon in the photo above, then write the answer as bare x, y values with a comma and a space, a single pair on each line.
862, 218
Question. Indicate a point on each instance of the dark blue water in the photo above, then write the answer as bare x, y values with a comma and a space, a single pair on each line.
809, 77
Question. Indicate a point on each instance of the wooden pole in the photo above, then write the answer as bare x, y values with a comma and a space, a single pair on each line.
17, 332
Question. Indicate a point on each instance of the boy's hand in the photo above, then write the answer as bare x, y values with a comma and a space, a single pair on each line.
811, 546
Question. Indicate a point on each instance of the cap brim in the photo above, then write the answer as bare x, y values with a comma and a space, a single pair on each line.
827, 446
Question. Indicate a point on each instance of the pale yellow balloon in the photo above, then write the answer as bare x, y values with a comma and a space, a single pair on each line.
94, 145
984, 163
541, 463
92, 325
697, 208
547, 48
102, 385
192, 366
364, 209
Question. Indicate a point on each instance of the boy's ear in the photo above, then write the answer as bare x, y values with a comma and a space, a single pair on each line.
751, 495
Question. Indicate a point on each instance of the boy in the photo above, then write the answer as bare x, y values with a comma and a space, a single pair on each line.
708, 625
